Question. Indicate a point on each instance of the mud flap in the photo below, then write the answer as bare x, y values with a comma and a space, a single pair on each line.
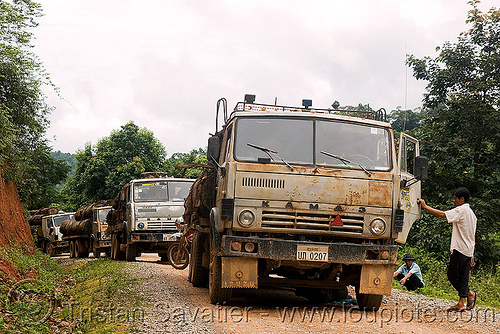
376, 279
239, 272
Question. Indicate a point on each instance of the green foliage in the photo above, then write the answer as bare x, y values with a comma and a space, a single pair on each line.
24, 152
198, 156
404, 120
460, 131
68, 157
90, 294
101, 171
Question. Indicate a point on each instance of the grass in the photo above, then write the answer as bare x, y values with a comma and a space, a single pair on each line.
483, 281
90, 296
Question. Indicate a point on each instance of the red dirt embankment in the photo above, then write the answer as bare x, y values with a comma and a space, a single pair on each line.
14, 229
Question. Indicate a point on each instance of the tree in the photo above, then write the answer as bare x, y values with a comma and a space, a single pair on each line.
102, 171
24, 152
460, 132
198, 156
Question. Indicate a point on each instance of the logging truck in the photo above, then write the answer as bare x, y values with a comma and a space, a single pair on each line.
311, 199
143, 217
88, 234
53, 242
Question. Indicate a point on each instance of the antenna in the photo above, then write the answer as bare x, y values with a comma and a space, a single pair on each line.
406, 87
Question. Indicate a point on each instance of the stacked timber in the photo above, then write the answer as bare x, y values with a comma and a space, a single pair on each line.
87, 212
201, 198
119, 205
76, 227
36, 216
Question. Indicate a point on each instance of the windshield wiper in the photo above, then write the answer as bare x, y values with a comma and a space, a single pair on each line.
346, 161
268, 152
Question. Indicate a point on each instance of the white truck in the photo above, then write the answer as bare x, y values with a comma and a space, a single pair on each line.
312, 199
144, 214
53, 242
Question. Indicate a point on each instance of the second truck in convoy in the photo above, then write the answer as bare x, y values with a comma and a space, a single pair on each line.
144, 214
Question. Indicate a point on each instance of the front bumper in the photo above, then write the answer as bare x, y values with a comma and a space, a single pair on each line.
279, 249
147, 237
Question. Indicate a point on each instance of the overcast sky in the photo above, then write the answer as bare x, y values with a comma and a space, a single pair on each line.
163, 63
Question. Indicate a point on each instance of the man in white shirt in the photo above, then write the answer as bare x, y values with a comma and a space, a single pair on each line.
463, 222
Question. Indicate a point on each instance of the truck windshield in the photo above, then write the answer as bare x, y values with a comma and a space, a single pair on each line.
177, 191
161, 191
103, 214
151, 191
59, 219
300, 141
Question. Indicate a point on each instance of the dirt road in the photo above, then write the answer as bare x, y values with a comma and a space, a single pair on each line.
174, 306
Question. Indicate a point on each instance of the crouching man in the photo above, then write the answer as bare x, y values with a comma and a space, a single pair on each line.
409, 274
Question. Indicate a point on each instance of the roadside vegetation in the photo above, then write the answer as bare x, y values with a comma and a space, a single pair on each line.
457, 125
89, 296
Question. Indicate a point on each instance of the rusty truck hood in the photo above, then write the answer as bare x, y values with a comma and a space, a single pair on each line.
306, 184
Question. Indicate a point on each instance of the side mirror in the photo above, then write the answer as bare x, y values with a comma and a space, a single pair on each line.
421, 165
213, 150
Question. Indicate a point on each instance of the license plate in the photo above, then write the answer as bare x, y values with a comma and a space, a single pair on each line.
312, 253
166, 237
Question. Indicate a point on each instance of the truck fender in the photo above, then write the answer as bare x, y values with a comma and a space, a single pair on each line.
215, 228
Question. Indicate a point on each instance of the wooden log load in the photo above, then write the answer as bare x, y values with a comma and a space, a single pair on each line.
87, 212
36, 216
200, 200
71, 227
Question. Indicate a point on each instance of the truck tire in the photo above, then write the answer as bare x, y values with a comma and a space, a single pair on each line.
131, 252
83, 251
49, 249
179, 259
96, 251
116, 253
368, 302
198, 275
216, 293
76, 251
71, 249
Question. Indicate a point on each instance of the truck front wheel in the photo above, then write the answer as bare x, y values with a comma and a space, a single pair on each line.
131, 252
96, 251
116, 253
215, 291
368, 302
49, 249
198, 274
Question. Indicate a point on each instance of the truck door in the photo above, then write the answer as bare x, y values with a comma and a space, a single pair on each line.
410, 186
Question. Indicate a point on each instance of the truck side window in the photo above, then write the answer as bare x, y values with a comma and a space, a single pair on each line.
228, 143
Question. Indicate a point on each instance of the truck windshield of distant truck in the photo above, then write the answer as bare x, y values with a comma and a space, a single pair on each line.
161, 191
313, 142
59, 219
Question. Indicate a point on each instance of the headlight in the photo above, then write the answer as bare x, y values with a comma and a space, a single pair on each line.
140, 226
246, 218
377, 226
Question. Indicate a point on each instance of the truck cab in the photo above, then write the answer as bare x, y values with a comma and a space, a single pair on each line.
52, 238
101, 241
152, 207
312, 199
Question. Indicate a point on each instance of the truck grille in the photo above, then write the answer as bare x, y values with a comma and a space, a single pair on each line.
159, 225
309, 221
259, 182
